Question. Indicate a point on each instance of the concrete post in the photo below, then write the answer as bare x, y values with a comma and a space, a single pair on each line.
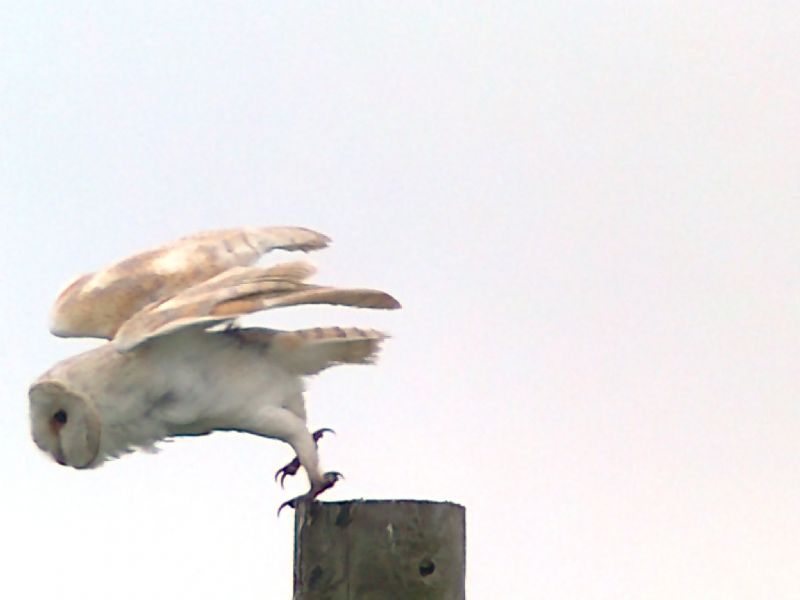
379, 550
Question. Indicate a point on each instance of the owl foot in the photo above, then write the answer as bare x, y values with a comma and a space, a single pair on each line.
294, 466
329, 480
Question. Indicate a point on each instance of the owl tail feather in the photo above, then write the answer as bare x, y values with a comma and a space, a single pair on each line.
309, 351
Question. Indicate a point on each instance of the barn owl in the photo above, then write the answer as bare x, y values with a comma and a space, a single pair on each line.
176, 364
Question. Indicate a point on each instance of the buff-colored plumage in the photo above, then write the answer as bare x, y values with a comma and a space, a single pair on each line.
164, 373
97, 304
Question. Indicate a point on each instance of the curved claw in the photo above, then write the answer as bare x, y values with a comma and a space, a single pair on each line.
330, 478
319, 432
289, 469
283, 475
294, 466
291, 503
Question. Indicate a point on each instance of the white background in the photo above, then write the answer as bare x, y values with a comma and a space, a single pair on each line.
588, 210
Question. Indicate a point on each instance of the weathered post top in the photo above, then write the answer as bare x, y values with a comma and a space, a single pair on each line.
379, 550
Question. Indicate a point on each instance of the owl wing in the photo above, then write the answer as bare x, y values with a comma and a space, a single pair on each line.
97, 304
238, 292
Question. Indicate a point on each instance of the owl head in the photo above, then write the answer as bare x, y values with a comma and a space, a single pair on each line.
64, 424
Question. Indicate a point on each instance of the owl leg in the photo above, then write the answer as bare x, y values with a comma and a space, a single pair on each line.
305, 446
283, 424
292, 468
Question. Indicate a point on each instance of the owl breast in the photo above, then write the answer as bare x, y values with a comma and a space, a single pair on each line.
215, 382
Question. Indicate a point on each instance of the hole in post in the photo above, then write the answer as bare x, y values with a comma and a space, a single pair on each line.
426, 567
315, 577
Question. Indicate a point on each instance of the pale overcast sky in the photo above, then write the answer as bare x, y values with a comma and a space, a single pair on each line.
590, 212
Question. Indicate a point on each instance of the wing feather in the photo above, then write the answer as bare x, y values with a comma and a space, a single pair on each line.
97, 304
235, 293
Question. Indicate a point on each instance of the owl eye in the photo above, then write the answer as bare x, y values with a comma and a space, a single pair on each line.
60, 417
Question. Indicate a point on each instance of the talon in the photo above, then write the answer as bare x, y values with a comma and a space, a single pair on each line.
318, 433
289, 469
294, 466
290, 503
329, 480
332, 477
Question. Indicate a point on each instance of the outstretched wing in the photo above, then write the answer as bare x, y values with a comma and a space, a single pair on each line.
238, 292
97, 304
